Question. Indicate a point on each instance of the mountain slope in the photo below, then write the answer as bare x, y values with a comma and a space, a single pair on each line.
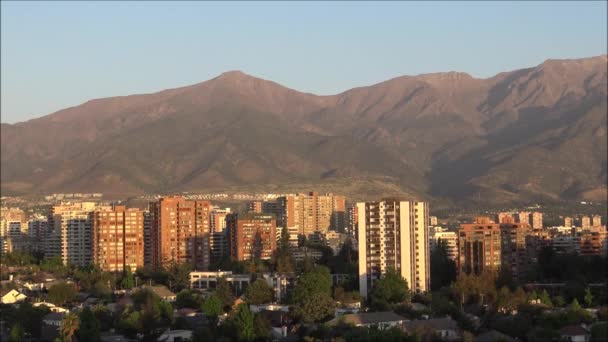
536, 133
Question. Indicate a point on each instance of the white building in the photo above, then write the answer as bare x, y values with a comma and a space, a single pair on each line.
393, 234
70, 232
449, 238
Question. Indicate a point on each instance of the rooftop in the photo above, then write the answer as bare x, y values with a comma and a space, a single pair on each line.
368, 318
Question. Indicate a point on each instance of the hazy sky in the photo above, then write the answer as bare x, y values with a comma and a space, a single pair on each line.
56, 55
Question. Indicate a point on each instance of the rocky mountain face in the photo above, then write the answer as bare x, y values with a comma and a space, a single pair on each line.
536, 133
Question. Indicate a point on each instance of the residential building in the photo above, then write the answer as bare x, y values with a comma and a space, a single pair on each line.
220, 248
593, 241
597, 221
352, 221
300, 253
118, 238
281, 283
438, 234
515, 254
276, 208
432, 220
479, 246
381, 320
568, 222
393, 234
524, 217
12, 296
506, 218
70, 232
218, 219
180, 231
37, 230
537, 220
252, 236
445, 329
311, 212
147, 238
208, 280
585, 222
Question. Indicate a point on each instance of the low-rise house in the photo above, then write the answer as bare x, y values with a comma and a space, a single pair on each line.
12, 297
494, 336
446, 328
574, 333
163, 292
51, 307
380, 320
175, 335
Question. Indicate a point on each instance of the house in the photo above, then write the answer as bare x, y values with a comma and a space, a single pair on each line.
574, 333
50, 326
110, 337
163, 292
175, 335
51, 307
493, 336
381, 320
446, 328
12, 297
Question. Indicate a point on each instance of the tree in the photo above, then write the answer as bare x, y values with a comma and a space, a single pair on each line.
100, 289
588, 298
224, 293
186, 299
559, 301
575, 306
317, 280
179, 274
128, 280
390, 289
544, 298
69, 325
443, 269
17, 333
61, 292
89, 329
318, 307
259, 292
212, 306
244, 323
261, 326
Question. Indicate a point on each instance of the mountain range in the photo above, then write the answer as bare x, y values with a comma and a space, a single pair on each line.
538, 133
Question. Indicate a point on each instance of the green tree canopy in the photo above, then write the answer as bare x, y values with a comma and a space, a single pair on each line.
224, 293
259, 292
317, 280
443, 269
128, 280
89, 329
390, 289
244, 323
213, 306
319, 307
61, 292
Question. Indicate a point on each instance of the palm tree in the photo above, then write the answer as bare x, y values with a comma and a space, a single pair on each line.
69, 325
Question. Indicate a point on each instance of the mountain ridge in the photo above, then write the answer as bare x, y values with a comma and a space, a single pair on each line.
236, 129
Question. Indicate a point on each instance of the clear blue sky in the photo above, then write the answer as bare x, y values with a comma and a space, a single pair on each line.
56, 55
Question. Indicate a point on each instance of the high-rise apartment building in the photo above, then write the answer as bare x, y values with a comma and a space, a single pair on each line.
180, 232
278, 208
393, 234
597, 221
450, 239
524, 217
147, 238
568, 222
585, 222
537, 220
593, 241
252, 235
479, 246
70, 232
352, 221
118, 238
310, 213
516, 248
433, 220
506, 218
37, 231
218, 219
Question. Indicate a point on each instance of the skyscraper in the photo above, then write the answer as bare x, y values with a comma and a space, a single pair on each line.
118, 238
310, 213
524, 217
180, 231
393, 234
568, 222
597, 221
586, 222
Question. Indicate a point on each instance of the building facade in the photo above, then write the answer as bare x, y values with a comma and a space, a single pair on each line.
441, 235
479, 246
393, 234
252, 236
180, 232
118, 238
537, 220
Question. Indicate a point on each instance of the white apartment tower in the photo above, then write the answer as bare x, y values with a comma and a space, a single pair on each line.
393, 234
70, 232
